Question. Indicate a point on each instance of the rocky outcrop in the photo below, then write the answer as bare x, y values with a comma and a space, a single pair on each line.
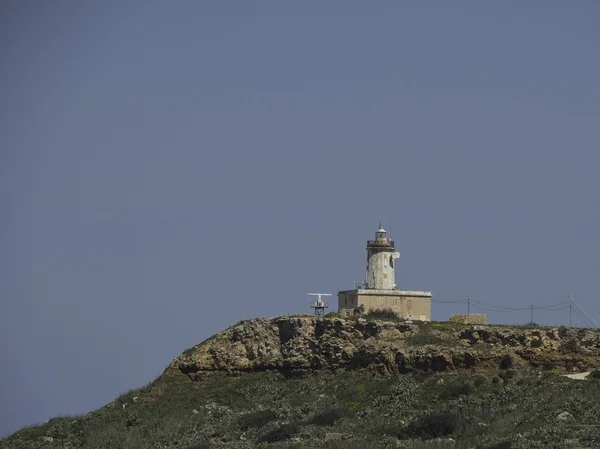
303, 344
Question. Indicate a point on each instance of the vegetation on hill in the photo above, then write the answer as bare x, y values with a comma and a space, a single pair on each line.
350, 410
508, 400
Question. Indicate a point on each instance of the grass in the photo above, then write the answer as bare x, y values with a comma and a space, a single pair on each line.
370, 412
413, 411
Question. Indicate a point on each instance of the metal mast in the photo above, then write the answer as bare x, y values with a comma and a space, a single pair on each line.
570, 311
319, 305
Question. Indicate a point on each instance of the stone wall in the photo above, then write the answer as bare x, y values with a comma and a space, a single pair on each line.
473, 318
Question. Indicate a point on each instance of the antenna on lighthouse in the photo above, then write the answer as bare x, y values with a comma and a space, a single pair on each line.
319, 305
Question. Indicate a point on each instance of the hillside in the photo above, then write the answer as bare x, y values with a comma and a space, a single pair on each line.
354, 383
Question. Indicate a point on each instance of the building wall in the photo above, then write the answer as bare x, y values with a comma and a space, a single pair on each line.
406, 306
347, 302
472, 318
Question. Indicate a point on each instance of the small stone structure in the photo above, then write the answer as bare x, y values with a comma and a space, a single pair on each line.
472, 318
379, 290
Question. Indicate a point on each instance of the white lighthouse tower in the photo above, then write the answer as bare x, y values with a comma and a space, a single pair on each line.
381, 254
379, 290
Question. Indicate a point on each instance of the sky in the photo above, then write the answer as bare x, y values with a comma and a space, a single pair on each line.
170, 168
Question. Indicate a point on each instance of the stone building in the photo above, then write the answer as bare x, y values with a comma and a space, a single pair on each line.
379, 290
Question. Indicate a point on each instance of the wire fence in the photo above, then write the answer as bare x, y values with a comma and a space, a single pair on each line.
571, 304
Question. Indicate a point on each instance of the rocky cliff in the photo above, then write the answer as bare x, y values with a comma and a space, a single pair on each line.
302, 344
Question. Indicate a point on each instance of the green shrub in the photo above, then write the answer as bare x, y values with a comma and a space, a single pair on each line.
507, 374
434, 425
327, 417
547, 365
382, 314
570, 345
451, 390
359, 311
133, 419
423, 338
594, 375
506, 362
479, 380
282, 433
256, 419
536, 343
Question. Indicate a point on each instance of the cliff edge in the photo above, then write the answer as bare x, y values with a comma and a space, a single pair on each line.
296, 345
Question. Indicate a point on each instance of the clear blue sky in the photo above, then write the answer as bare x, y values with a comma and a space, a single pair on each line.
170, 168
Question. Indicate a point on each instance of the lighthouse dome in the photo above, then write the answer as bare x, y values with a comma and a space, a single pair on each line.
380, 235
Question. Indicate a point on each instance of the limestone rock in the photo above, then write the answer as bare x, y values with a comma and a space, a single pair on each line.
564, 416
303, 343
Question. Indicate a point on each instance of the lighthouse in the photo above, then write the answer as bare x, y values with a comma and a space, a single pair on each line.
379, 290
381, 254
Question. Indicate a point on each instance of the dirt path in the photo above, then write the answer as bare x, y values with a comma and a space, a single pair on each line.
578, 376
